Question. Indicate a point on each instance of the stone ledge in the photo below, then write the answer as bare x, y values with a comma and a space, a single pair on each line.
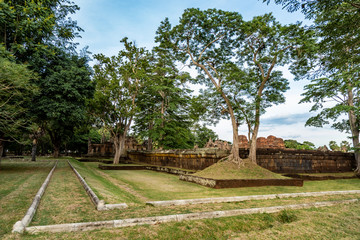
317, 178
247, 198
20, 226
99, 204
114, 167
236, 183
145, 167
86, 226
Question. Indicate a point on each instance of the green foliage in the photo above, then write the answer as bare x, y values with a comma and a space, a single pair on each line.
78, 143
202, 134
287, 216
31, 26
165, 117
16, 91
334, 75
306, 145
344, 146
65, 86
333, 146
119, 81
236, 60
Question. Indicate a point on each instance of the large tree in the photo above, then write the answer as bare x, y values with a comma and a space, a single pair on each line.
65, 85
15, 91
266, 46
164, 118
34, 32
237, 60
206, 41
119, 80
335, 77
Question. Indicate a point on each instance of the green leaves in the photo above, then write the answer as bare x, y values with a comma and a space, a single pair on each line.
16, 91
119, 81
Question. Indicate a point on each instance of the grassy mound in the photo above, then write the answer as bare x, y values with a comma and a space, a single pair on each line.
231, 170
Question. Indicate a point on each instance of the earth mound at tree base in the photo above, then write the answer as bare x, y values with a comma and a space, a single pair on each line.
232, 170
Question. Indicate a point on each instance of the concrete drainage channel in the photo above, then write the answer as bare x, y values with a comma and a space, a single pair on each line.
100, 204
86, 226
20, 226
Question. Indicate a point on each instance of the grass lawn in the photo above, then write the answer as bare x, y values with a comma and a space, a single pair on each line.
20, 182
157, 186
66, 201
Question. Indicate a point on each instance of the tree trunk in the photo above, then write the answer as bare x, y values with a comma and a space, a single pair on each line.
150, 142
33, 150
253, 142
89, 145
235, 147
1, 149
354, 126
253, 145
56, 151
56, 142
119, 146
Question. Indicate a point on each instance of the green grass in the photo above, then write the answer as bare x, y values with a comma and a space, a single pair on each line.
161, 186
339, 222
102, 187
20, 182
66, 201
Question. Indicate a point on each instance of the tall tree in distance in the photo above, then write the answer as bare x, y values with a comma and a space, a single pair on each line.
165, 99
119, 80
65, 85
267, 44
237, 61
206, 41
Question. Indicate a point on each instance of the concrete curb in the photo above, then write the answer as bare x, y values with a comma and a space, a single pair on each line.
74, 227
19, 226
246, 198
100, 204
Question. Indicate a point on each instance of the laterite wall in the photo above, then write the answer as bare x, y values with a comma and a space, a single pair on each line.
303, 161
276, 160
186, 159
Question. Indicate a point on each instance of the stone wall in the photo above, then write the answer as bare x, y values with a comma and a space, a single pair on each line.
196, 159
303, 161
276, 160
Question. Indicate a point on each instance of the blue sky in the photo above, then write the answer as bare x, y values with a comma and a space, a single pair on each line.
106, 22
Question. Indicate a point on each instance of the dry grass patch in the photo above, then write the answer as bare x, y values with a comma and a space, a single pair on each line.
231, 170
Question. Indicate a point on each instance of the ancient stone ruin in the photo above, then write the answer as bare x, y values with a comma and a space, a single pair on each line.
220, 144
270, 142
107, 148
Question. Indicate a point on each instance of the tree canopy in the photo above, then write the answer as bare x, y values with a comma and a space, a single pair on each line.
119, 80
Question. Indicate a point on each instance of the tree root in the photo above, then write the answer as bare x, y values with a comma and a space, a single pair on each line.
357, 172
232, 158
